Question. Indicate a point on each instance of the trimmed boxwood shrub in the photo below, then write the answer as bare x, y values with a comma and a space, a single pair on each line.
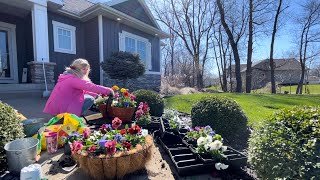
224, 115
153, 99
11, 128
287, 145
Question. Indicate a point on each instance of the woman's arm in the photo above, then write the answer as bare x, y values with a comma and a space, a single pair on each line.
89, 86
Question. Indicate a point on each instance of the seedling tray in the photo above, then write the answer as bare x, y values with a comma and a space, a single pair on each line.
235, 159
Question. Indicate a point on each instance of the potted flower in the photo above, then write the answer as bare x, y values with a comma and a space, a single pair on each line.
67, 141
123, 104
142, 115
111, 152
100, 102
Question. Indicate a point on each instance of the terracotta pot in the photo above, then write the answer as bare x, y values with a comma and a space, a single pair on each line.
103, 110
125, 114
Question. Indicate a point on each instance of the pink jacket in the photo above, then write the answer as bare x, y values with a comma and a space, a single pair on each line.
68, 95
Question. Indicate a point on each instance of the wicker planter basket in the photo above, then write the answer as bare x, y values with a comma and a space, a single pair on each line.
103, 110
120, 164
125, 114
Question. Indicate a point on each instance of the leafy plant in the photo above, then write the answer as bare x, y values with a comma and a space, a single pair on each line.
169, 113
287, 146
224, 115
100, 100
155, 102
11, 128
142, 114
123, 66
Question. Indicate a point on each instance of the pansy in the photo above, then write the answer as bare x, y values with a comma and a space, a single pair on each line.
117, 137
76, 146
92, 148
208, 139
86, 132
134, 130
126, 145
123, 131
105, 128
215, 145
144, 132
116, 123
123, 90
102, 142
201, 141
115, 88
111, 147
126, 94
221, 166
224, 148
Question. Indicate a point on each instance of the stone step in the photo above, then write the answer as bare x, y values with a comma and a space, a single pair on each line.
23, 88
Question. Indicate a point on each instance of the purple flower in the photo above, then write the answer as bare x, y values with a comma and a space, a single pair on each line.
102, 142
197, 128
117, 137
117, 95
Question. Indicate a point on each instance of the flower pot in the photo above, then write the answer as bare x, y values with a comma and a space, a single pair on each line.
117, 165
125, 114
103, 110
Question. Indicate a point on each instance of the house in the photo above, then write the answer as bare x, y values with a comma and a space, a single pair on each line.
287, 71
58, 31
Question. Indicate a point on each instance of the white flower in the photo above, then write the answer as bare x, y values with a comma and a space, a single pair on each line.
207, 147
224, 148
215, 145
221, 166
209, 139
201, 141
144, 132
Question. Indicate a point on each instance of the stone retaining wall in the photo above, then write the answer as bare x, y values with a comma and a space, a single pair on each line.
35, 70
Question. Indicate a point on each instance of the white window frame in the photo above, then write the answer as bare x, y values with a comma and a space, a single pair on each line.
67, 27
122, 37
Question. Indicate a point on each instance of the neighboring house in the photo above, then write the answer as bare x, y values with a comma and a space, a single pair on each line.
59, 31
287, 71
312, 80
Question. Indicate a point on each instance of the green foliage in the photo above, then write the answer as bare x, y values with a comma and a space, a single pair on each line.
224, 115
287, 145
123, 66
155, 102
100, 100
11, 128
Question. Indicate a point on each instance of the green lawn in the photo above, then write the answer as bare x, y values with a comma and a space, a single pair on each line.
256, 106
312, 89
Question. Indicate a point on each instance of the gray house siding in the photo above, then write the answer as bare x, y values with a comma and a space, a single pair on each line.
133, 8
92, 48
63, 59
23, 38
111, 30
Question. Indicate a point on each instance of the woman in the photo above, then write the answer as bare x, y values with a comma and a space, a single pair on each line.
74, 92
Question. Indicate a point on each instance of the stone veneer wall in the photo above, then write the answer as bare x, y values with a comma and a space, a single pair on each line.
35, 71
147, 81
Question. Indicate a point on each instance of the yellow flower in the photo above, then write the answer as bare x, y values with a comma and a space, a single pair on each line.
123, 90
115, 87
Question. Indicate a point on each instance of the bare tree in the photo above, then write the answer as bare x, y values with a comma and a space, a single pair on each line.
234, 39
193, 22
273, 82
310, 22
249, 53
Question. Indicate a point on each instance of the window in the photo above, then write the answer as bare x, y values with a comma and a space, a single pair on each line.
135, 44
64, 38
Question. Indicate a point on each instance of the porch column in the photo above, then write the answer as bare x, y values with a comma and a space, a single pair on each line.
40, 44
40, 30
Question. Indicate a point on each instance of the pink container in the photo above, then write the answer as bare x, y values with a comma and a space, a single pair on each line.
52, 142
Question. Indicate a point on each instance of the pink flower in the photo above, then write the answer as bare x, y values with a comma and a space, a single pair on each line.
133, 97
76, 146
92, 148
86, 133
116, 123
111, 147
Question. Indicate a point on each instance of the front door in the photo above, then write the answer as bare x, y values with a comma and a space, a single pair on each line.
8, 54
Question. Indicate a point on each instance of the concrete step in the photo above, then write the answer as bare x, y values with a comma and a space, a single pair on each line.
24, 88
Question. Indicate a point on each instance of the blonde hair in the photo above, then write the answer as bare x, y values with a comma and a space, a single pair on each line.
76, 66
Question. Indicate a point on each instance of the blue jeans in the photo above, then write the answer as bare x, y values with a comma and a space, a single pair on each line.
88, 102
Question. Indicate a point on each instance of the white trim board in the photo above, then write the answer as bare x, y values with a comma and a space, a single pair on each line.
70, 28
101, 55
12, 48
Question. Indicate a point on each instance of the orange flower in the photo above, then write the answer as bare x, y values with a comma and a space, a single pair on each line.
126, 94
115, 88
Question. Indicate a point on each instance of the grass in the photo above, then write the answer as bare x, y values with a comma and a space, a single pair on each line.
312, 89
257, 107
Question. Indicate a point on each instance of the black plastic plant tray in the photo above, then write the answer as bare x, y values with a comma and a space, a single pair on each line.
180, 151
184, 157
235, 159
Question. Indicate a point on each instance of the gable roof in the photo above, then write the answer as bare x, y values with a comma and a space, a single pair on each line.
135, 8
85, 10
76, 6
280, 64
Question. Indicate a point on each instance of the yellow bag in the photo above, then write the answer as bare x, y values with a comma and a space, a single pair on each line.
71, 124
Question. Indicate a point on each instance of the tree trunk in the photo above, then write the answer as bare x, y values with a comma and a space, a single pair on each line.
230, 60
273, 82
233, 46
198, 72
249, 54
